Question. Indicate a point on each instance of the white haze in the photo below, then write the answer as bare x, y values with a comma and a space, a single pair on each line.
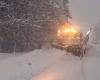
85, 13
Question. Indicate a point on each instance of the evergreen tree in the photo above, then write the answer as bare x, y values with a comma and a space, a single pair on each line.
25, 24
64, 14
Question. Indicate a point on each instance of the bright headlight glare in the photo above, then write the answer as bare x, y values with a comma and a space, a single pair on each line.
73, 31
67, 30
70, 30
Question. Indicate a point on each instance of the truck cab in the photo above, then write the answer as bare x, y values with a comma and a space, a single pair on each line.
71, 39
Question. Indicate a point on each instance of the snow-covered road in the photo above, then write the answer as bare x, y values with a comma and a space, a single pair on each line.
51, 64
72, 68
25, 66
63, 69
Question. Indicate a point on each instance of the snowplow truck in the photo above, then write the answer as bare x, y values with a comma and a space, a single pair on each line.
71, 39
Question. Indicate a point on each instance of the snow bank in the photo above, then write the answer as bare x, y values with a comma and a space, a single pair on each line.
28, 65
4, 56
92, 68
91, 63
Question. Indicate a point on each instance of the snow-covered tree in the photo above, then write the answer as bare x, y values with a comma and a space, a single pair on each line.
96, 34
25, 24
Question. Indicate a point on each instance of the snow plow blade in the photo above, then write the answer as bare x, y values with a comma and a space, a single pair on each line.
74, 49
72, 40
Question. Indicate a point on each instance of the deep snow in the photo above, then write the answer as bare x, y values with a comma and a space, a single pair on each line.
72, 68
52, 64
26, 66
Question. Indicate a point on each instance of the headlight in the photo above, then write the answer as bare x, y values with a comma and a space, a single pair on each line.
67, 30
70, 31
73, 31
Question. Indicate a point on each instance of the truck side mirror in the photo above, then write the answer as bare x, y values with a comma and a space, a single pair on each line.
87, 36
89, 31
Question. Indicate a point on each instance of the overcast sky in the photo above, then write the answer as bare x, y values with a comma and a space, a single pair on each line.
85, 12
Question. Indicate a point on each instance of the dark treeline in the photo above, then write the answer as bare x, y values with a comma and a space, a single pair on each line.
26, 24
